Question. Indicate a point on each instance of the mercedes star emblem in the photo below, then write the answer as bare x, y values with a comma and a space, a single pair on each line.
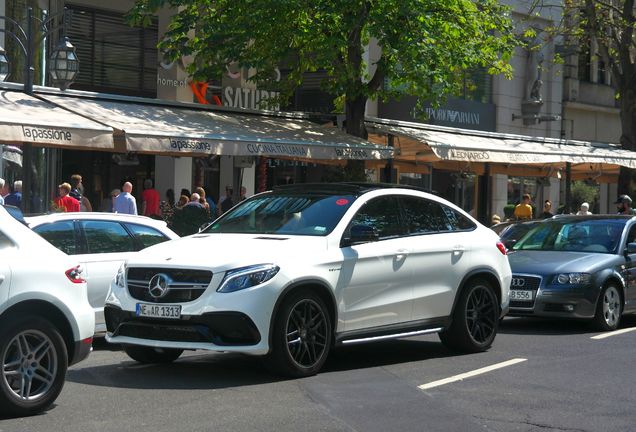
159, 285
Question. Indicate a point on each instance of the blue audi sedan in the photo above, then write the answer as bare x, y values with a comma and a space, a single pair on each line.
581, 267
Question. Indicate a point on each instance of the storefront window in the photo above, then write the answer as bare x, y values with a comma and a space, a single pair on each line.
518, 186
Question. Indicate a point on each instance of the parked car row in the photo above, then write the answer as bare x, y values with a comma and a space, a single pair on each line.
290, 274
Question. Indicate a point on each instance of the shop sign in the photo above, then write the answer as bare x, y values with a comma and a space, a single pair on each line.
38, 134
240, 97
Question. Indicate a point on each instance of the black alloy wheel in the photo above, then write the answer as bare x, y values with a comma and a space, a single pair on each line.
475, 319
302, 335
34, 363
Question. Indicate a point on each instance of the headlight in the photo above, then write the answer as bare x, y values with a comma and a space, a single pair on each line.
574, 278
247, 277
120, 279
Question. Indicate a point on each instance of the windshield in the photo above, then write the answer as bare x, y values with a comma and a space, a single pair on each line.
597, 235
297, 214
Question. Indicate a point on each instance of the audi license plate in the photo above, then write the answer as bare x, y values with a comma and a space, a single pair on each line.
521, 295
158, 311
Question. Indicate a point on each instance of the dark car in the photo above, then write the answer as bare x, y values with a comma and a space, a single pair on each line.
511, 232
576, 267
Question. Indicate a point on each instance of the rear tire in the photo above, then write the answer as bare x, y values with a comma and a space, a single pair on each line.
34, 363
144, 354
301, 336
475, 319
609, 309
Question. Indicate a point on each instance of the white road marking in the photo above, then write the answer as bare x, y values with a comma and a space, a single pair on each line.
614, 333
471, 374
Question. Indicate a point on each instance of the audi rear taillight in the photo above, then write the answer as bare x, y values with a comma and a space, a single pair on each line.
75, 274
502, 248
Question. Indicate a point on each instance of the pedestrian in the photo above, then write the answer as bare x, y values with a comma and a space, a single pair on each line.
167, 207
227, 201
150, 201
547, 210
65, 202
523, 210
624, 205
183, 200
195, 200
191, 217
584, 210
108, 203
77, 192
495, 219
15, 197
243, 193
211, 203
125, 202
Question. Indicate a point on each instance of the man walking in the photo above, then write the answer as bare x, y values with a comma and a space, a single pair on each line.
15, 197
150, 200
125, 202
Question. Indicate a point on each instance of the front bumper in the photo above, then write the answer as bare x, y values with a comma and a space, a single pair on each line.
573, 302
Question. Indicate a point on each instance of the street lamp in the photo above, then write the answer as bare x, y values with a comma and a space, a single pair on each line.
64, 69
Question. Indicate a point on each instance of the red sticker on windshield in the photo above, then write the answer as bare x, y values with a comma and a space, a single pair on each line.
342, 202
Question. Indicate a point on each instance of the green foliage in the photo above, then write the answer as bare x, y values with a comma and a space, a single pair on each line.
582, 192
509, 210
425, 44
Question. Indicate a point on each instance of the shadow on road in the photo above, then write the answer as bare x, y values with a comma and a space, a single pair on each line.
549, 326
201, 370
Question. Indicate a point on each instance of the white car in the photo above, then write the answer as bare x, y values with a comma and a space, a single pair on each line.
293, 272
100, 242
46, 322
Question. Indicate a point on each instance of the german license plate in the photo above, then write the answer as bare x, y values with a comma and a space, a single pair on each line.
521, 295
158, 311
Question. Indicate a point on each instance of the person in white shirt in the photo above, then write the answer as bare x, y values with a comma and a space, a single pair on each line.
2, 191
584, 210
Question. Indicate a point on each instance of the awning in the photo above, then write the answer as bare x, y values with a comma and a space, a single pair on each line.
26, 119
427, 143
150, 126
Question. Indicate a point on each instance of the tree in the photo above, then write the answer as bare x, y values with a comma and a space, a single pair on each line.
426, 45
609, 24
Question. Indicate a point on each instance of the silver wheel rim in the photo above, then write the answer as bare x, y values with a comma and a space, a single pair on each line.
29, 365
611, 306
306, 333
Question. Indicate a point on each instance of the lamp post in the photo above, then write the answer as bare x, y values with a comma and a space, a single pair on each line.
64, 69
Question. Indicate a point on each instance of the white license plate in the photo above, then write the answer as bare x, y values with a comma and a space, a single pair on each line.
521, 295
158, 311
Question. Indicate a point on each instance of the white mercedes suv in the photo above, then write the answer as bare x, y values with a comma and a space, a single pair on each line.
293, 272
46, 322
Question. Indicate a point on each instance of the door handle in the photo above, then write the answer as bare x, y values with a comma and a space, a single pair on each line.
459, 248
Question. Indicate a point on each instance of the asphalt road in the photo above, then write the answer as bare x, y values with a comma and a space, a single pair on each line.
561, 380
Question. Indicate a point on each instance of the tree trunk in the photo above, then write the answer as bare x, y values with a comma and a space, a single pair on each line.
626, 183
355, 108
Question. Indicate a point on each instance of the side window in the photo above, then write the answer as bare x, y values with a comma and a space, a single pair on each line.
107, 236
458, 221
424, 216
383, 214
59, 234
147, 236
631, 237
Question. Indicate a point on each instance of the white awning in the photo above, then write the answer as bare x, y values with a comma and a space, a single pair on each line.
27, 119
474, 146
151, 126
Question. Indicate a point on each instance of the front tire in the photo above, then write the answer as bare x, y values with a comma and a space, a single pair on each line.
608, 309
475, 319
144, 354
301, 336
34, 363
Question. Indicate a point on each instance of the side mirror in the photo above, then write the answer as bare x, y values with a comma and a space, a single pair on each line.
360, 234
630, 249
